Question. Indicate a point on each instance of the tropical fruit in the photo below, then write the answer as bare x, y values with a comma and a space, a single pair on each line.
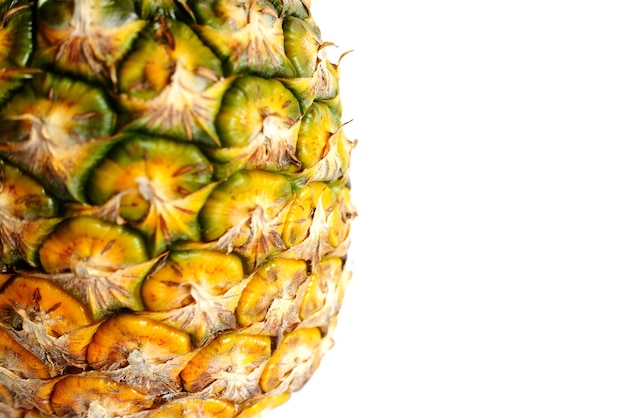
174, 206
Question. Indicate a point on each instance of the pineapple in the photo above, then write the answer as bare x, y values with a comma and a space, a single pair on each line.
174, 206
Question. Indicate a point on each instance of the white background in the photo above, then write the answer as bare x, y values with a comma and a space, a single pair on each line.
489, 254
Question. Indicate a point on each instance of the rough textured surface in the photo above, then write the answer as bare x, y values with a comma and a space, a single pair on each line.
174, 206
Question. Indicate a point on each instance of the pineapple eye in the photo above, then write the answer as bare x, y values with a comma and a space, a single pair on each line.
325, 288
300, 350
258, 126
172, 87
248, 104
224, 364
314, 199
44, 305
302, 45
264, 301
247, 208
196, 291
154, 344
57, 128
102, 264
161, 184
87, 38
248, 36
318, 125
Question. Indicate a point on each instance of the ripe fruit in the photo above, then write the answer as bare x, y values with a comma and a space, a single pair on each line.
174, 206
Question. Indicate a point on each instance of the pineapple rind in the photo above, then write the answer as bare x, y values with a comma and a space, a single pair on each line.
174, 206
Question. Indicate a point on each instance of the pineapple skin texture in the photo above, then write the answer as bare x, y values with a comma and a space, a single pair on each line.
174, 206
